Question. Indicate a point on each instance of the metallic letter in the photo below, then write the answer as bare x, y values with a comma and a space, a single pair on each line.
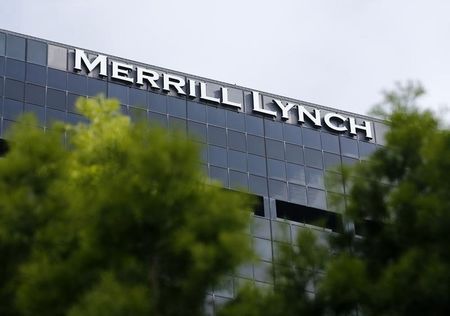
366, 127
146, 74
327, 118
192, 92
226, 101
313, 118
99, 60
203, 95
174, 81
284, 109
257, 105
120, 71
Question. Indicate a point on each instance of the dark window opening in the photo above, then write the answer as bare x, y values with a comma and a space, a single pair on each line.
258, 202
308, 215
4, 147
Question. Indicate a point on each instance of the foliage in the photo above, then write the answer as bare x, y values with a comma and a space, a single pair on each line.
119, 220
396, 260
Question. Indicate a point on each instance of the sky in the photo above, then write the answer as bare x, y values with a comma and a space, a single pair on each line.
337, 53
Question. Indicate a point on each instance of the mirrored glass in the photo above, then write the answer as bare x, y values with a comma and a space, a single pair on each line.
57, 57
96, 87
313, 158
311, 138
257, 165
366, 149
331, 161
316, 198
176, 107
217, 156
157, 102
138, 98
292, 134
157, 119
330, 142
264, 272
35, 94
294, 153
276, 169
258, 185
217, 136
277, 189
275, 149
281, 231
15, 69
197, 131
273, 129
53, 116
263, 248
297, 194
237, 160
254, 125
12, 109
71, 102
1, 86
57, 79
219, 174
2, 66
37, 52
36, 74
215, 116
255, 145
236, 140
295, 173
14, 89
314, 178
349, 147
15, 47
56, 99
118, 91
235, 120
196, 111
38, 111
2, 44
178, 124
238, 180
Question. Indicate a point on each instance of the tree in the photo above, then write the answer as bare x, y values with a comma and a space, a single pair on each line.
396, 259
116, 220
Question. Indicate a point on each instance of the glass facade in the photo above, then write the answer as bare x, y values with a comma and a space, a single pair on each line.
282, 162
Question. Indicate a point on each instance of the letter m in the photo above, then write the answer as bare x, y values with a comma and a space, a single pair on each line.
80, 56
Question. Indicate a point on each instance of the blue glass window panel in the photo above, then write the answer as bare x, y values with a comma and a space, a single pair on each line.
258, 185
15, 47
196, 111
118, 91
15, 69
157, 119
236, 140
12, 109
236, 120
157, 102
54, 116
217, 136
292, 134
316, 198
254, 125
2, 66
349, 147
275, 149
237, 160
215, 116
36, 74
77, 84
138, 98
313, 158
238, 180
273, 129
297, 194
347, 161
217, 156
178, 124
331, 161
330, 143
294, 153
263, 248
277, 189
38, 111
74, 118
1, 86
219, 174
2, 44
314, 178
366, 149
276, 169
71, 102
34, 94
56, 99
96, 87
311, 138
197, 131
295, 173
14, 89
176, 107
257, 165
57, 79
255, 145
37, 52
